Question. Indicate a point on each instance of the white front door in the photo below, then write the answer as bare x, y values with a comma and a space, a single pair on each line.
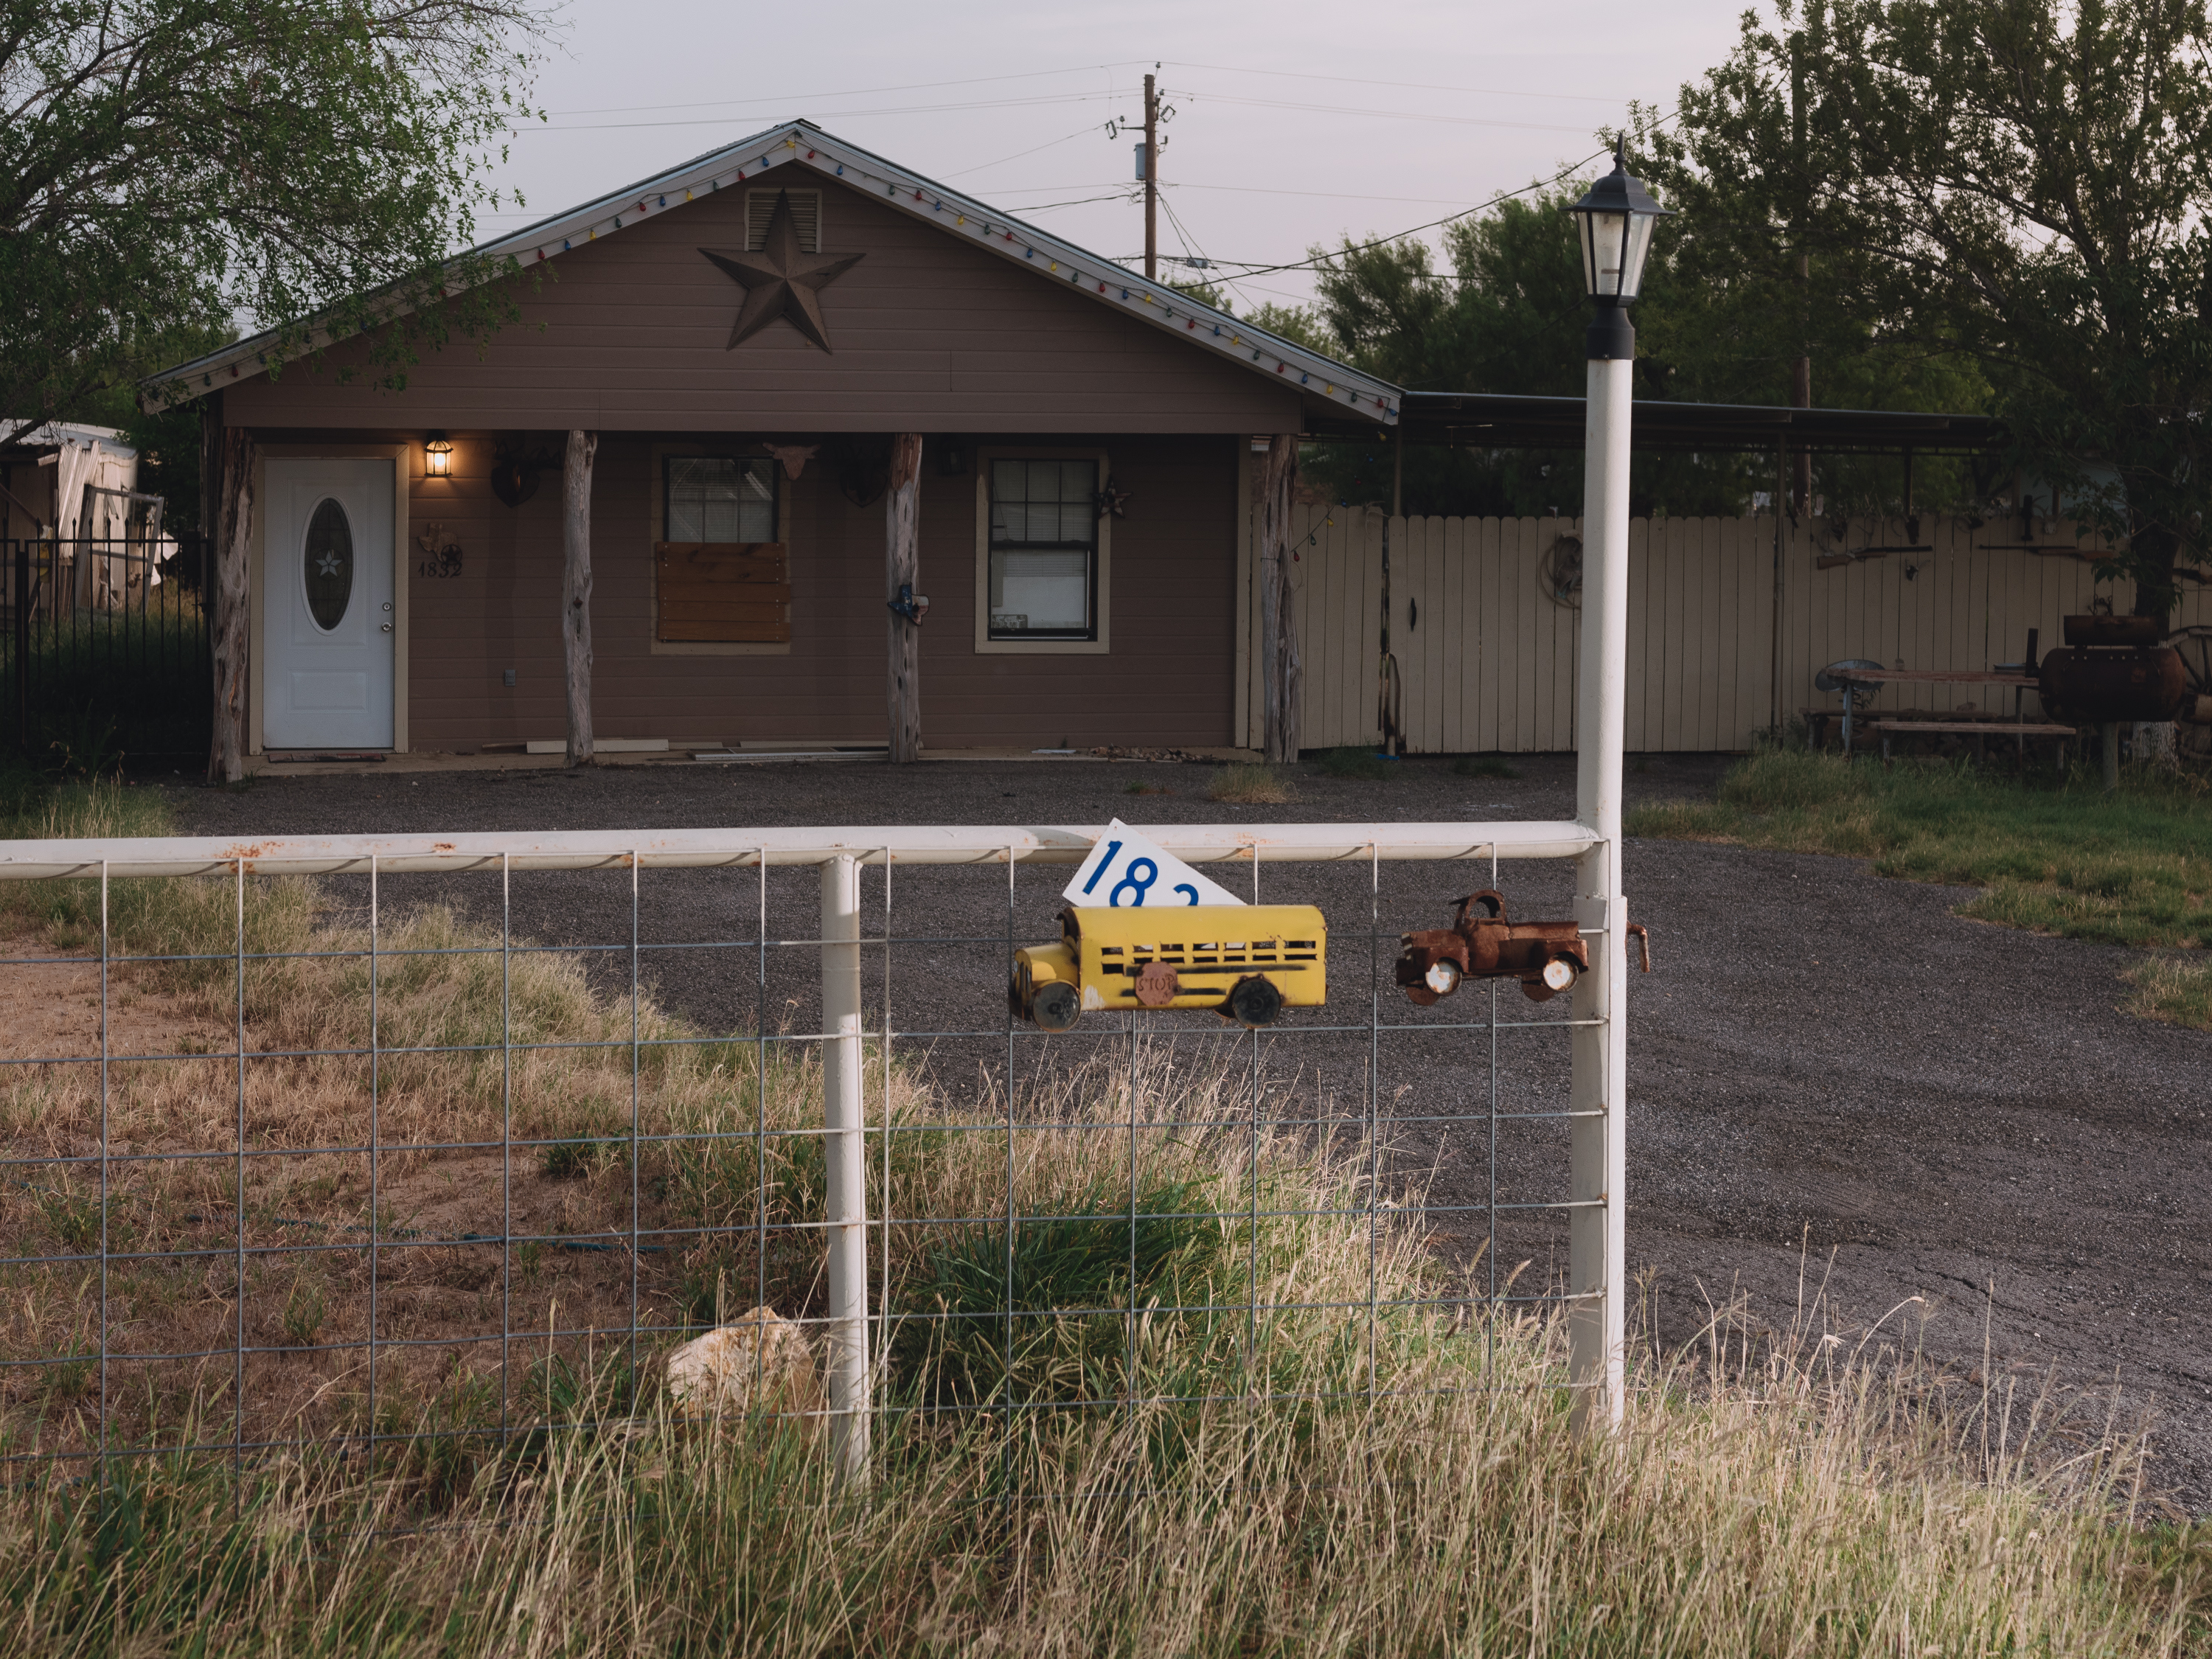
328, 625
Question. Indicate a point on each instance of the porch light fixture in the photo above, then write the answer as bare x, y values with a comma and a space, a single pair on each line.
437, 456
1615, 220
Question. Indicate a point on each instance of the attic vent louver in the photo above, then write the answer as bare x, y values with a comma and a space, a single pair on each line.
805, 217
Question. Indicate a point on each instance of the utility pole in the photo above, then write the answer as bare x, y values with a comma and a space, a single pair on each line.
1801, 384
1802, 370
1151, 181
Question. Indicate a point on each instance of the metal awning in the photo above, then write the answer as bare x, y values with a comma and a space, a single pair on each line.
1477, 420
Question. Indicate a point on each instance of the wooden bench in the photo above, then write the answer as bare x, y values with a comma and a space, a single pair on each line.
2022, 730
1817, 721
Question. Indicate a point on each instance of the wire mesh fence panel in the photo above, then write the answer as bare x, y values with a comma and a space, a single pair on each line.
104, 654
409, 1148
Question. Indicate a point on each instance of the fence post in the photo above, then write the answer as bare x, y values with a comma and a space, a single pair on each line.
1598, 1135
845, 1162
22, 575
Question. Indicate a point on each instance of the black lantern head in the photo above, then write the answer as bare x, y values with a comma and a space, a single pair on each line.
1615, 221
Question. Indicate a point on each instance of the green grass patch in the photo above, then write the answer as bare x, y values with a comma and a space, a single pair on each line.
1068, 1272
1484, 766
1353, 762
2053, 855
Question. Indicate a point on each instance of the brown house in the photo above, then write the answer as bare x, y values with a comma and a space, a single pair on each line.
777, 379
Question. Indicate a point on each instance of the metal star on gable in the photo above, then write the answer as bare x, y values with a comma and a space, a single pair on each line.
782, 280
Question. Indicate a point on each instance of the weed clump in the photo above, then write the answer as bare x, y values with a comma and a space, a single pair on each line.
1248, 783
1045, 1315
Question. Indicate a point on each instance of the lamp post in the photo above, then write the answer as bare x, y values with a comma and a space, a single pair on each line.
1615, 222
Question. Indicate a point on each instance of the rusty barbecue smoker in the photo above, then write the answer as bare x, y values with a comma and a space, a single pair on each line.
2114, 668
1546, 957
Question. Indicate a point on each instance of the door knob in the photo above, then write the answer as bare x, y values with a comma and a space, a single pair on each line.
387, 628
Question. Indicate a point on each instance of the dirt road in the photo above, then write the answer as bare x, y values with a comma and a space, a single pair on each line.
1827, 1068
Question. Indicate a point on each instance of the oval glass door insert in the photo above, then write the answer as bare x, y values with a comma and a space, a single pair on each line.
327, 564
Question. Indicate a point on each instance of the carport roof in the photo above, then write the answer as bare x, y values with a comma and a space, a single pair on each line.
1475, 420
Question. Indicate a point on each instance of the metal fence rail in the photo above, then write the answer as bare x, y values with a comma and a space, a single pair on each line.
218, 1188
104, 650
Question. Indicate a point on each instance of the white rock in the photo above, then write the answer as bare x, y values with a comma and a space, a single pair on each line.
759, 1361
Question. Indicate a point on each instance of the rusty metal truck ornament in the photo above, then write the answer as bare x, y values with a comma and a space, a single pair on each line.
1546, 957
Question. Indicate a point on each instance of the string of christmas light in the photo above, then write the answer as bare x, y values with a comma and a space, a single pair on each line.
1208, 326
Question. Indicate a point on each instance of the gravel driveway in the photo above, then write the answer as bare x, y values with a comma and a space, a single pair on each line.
1831, 1075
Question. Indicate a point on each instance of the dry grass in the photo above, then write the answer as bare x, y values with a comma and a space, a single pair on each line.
2174, 988
1250, 783
1811, 1507
1358, 1466
2054, 856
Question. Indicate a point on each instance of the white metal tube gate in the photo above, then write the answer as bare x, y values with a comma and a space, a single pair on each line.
844, 1159
1598, 1131
1598, 1041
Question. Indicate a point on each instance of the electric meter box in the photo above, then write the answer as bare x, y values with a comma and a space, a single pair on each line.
1244, 961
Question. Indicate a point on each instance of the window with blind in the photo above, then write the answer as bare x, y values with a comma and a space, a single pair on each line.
721, 576
1043, 551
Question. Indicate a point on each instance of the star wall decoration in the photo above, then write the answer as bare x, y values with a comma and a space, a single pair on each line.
782, 280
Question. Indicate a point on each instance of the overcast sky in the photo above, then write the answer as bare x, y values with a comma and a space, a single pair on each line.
1293, 122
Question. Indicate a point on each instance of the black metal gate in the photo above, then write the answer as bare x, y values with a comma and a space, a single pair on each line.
106, 655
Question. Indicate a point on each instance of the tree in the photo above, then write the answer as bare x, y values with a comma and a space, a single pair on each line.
2024, 182
1507, 317
170, 169
1715, 323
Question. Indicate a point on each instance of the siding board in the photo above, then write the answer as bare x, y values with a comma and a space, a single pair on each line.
931, 335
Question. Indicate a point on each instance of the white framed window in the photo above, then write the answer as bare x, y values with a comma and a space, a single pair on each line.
1042, 551
721, 569
721, 498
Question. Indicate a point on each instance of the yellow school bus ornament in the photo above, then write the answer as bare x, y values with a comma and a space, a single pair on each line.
1245, 962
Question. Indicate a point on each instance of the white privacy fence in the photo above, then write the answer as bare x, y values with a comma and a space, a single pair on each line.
1726, 628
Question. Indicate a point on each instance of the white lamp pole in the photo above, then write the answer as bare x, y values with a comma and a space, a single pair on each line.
1614, 221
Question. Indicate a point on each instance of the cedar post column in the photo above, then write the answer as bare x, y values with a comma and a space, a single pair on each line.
230, 519
903, 569
576, 591
1279, 622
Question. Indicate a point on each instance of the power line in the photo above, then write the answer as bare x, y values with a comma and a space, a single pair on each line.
853, 92
1193, 255
981, 166
1248, 190
763, 109
1378, 114
1412, 86
1250, 269
1121, 195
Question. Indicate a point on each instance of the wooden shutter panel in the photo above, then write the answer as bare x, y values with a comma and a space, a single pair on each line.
724, 592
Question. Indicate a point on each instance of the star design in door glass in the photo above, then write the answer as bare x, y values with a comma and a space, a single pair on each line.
782, 280
328, 564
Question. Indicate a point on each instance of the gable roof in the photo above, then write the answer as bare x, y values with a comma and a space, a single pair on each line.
807, 147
